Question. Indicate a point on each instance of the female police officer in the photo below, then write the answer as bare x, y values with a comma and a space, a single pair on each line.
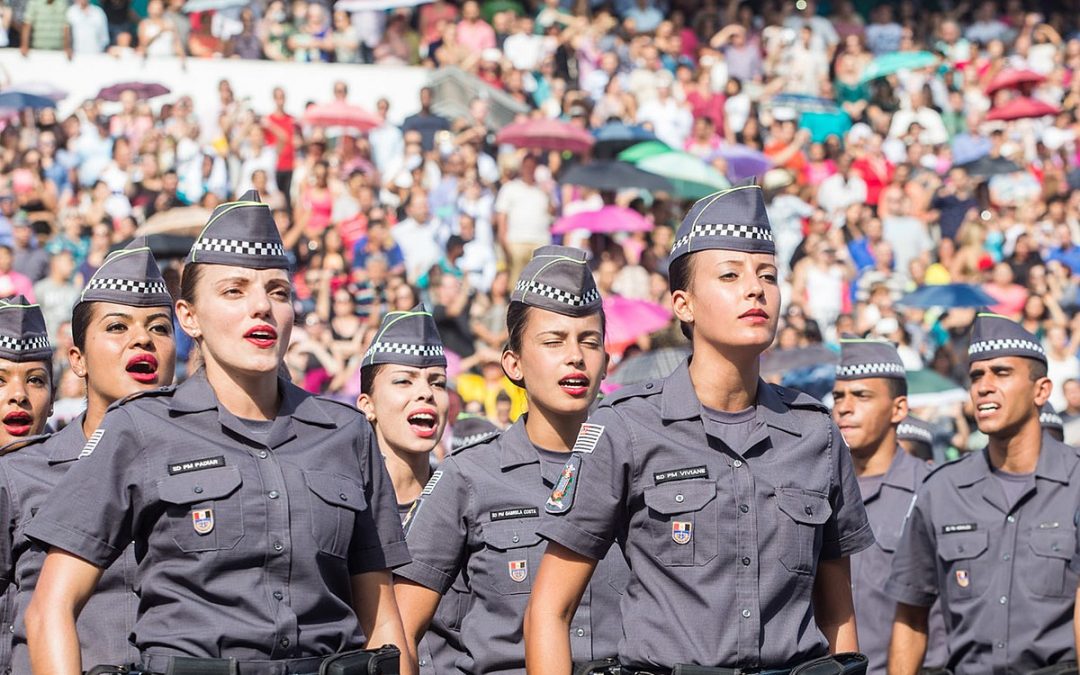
479, 512
734, 501
123, 343
263, 520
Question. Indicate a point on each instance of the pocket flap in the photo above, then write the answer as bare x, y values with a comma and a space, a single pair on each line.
803, 506
961, 545
680, 496
199, 486
508, 534
1054, 543
336, 490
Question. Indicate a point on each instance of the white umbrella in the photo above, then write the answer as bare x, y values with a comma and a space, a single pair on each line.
192, 6
377, 5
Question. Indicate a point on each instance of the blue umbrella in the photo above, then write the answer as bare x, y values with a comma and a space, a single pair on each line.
22, 99
948, 295
742, 161
614, 137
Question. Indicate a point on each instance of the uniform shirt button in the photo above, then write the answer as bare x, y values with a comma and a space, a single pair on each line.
278, 546
1011, 519
343, 497
273, 494
737, 463
1003, 599
278, 595
746, 614
1001, 645
423, 662
746, 561
581, 632
744, 508
516, 539
284, 642
263, 454
197, 489
1006, 557
680, 499
809, 510
649, 385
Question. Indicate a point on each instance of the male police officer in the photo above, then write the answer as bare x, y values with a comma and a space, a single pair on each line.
992, 533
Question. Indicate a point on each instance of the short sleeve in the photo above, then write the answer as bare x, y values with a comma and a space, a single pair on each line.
913, 580
94, 519
377, 542
588, 506
848, 530
504, 198
439, 529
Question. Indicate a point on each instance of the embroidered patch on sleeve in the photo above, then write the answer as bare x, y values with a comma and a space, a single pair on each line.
588, 437
562, 497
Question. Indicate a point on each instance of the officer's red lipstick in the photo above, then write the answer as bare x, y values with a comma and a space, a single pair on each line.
18, 422
575, 384
142, 368
262, 336
423, 422
755, 316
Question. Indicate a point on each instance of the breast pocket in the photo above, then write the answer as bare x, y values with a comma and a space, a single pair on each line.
203, 509
803, 514
334, 502
1050, 576
964, 554
515, 551
683, 522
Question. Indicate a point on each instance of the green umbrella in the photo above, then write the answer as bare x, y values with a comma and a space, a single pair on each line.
691, 176
492, 7
636, 153
887, 64
927, 388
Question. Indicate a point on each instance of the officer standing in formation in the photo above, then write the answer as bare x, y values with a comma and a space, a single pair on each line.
869, 403
26, 394
404, 396
734, 501
263, 518
122, 330
478, 515
991, 535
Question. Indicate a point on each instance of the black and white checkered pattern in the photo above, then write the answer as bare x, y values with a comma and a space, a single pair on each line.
870, 370
724, 230
241, 247
25, 345
914, 432
472, 438
1005, 343
128, 286
558, 295
1050, 419
403, 348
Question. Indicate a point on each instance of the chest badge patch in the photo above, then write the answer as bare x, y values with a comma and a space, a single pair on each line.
962, 578
682, 531
562, 497
203, 520
519, 570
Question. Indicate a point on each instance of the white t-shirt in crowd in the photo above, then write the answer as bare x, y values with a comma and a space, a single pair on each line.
527, 209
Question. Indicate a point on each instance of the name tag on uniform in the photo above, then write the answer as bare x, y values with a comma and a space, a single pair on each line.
959, 527
515, 513
196, 465
680, 474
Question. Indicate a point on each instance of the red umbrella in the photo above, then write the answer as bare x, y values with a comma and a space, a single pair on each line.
1022, 108
628, 319
546, 134
1013, 78
339, 114
607, 220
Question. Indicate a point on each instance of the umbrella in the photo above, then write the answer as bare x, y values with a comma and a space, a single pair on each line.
339, 114
20, 100
546, 134
691, 176
948, 295
606, 220
742, 161
1022, 108
166, 246
780, 361
804, 103
614, 176
821, 125
376, 5
493, 7
614, 137
651, 365
887, 64
192, 6
927, 388
987, 166
182, 220
1013, 78
39, 89
143, 90
628, 320
636, 153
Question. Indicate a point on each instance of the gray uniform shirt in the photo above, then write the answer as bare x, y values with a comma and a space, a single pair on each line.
244, 546
478, 517
27, 479
723, 544
887, 499
1002, 573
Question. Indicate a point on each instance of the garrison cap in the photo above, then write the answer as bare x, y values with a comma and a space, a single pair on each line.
22, 331
406, 339
730, 220
130, 277
1050, 419
994, 336
559, 280
470, 429
240, 234
912, 428
862, 358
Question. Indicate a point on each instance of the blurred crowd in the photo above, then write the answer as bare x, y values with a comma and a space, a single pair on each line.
901, 145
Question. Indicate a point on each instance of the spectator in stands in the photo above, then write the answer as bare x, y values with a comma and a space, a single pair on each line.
89, 28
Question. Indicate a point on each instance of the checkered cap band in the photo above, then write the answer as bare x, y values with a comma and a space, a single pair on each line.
723, 230
914, 432
558, 295
870, 370
1005, 343
18, 345
472, 438
241, 247
128, 286
403, 348
1050, 419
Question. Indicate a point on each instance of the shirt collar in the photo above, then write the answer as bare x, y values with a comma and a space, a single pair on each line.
515, 448
1056, 462
68, 443
902, 471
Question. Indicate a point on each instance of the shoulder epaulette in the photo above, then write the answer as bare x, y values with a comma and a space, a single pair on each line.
160, 391
23, 442
344, 404
797, 399
640, 389
936, 468
483, 439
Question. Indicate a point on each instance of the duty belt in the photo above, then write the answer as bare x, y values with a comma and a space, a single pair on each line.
177, 665
705, 670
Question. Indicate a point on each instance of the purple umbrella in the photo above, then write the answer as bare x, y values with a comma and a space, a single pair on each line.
742, 161
143, 90
606, 220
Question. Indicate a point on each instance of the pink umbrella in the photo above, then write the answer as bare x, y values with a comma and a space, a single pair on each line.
1013, 78
338, 114
1021, 108
546, 134
607, 220
628, 320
